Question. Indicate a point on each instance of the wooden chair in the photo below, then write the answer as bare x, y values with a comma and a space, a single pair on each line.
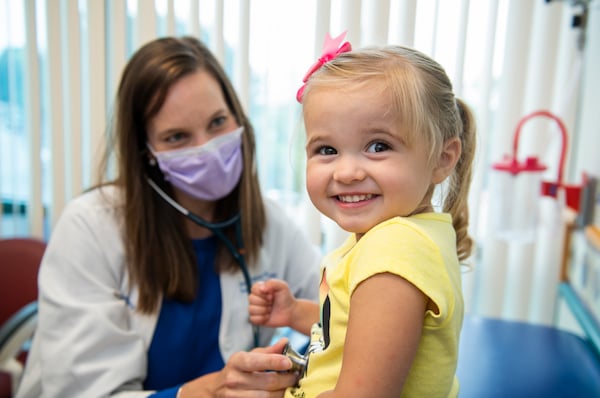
20, 259
500, 358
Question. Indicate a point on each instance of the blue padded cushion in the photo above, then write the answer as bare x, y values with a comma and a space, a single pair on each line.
499, 358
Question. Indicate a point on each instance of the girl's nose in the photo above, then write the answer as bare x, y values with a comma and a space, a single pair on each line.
348, 169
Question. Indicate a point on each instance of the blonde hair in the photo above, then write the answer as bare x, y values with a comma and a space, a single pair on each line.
422, 100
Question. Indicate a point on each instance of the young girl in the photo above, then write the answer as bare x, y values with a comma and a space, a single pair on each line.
383, 129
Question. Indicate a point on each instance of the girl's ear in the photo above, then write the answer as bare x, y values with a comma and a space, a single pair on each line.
448, 158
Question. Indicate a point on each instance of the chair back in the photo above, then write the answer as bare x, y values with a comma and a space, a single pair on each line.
20, 260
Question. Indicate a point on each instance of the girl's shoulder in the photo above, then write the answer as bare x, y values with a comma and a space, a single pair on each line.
418, 222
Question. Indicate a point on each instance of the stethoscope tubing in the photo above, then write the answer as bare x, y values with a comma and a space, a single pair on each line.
217, 228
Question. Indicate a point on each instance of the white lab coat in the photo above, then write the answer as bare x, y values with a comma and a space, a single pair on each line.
91, 343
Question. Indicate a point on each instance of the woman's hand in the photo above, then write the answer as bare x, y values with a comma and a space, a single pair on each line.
262, 372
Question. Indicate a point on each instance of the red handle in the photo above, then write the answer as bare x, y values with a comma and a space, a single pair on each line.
563, 131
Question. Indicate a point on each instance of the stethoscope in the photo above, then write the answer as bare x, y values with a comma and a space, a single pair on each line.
217, 229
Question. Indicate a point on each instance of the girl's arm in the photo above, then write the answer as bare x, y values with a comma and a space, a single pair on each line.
384, 329
305, 315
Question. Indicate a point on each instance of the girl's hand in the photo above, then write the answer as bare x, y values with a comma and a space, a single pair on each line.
271, 303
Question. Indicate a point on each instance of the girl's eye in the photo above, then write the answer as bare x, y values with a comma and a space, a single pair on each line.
326, 150
378, 147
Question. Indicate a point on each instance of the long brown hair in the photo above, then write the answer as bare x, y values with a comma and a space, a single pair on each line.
423, 101
160, 258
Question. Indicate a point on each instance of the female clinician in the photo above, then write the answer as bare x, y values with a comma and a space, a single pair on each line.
143, 287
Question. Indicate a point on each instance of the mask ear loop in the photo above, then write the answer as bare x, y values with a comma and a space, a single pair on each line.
217, 229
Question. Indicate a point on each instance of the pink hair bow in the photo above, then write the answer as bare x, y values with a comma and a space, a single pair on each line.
331, 49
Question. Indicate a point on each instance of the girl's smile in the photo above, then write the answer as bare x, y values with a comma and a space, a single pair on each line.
355, 198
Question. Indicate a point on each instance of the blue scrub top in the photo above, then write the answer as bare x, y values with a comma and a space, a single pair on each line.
185, 344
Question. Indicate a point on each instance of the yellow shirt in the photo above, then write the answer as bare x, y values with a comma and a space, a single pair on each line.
420, 249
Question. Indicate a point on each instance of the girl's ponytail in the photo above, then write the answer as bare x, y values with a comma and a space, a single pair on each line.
456, 202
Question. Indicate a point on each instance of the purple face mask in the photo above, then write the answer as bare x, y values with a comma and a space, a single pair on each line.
209, 171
